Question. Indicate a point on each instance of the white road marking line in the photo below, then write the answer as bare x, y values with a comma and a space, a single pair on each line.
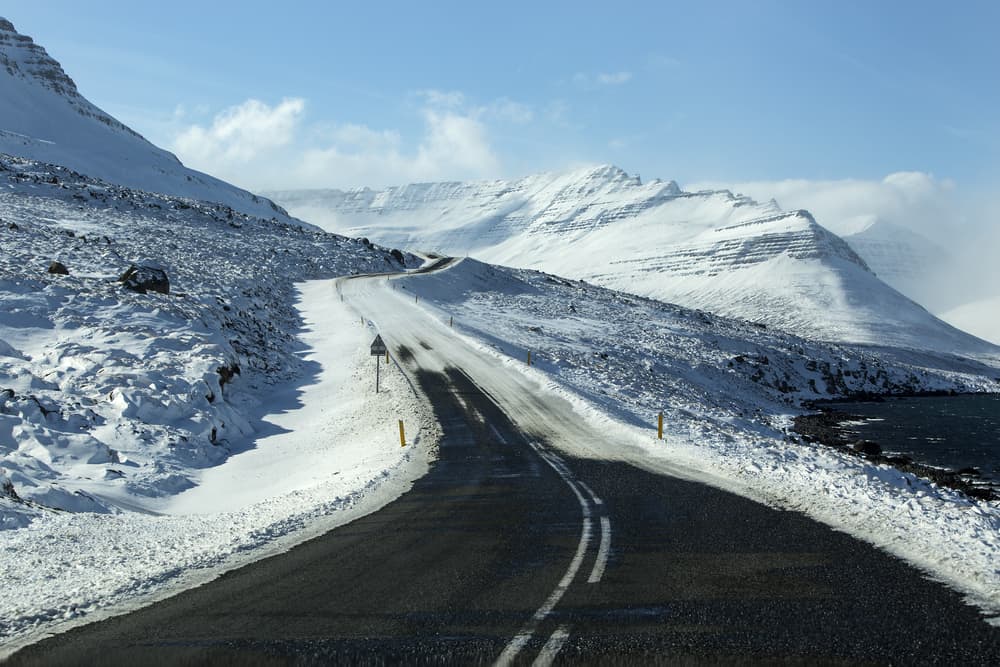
602, 552
590, 491
521, 639
503, 441
552, 647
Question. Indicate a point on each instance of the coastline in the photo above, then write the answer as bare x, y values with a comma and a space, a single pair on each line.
826, 425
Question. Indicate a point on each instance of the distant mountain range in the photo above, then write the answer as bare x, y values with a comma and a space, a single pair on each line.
711, 250
44, 117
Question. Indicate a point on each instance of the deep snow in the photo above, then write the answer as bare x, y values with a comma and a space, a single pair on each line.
109, 397
322, 456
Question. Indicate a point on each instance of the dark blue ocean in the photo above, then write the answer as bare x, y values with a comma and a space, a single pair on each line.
952, 432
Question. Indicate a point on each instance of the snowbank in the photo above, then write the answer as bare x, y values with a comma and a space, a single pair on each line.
329, 457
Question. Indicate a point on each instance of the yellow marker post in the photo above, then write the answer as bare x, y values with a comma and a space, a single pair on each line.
402, 435
529, 357
659, 426
387, 356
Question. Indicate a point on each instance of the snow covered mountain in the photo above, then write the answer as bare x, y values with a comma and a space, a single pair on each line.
44, 117
904, 259
710, 250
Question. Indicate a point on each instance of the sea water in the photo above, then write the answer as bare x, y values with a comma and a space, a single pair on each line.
953, 432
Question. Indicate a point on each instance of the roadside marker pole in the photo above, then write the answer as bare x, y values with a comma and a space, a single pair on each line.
451, 321
387, 358
659, 426
402, 434
377, 360
529, 357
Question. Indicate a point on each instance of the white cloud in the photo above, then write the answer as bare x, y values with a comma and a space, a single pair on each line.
261, 147
450, 99
239, 134
614, 78
510, 111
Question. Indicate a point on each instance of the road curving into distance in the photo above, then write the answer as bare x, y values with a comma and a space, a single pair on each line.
511, 550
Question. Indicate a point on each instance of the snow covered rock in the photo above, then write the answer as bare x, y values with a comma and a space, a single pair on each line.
58, 268
143, 279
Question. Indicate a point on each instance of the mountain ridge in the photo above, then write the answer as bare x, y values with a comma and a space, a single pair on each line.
44, 117
711, 249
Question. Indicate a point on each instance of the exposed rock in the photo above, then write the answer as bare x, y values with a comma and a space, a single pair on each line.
58, 268
227, 373
867, 448
398, 256
7, 488
142, 279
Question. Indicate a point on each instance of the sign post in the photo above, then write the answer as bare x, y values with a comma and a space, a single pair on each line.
378, 349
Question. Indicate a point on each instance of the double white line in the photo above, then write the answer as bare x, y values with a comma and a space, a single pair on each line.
558, 638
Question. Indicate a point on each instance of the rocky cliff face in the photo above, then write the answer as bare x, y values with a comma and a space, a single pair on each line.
44, 117
712, 250
30, 62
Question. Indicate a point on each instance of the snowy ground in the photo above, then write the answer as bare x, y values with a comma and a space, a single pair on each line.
330, 453
130, 463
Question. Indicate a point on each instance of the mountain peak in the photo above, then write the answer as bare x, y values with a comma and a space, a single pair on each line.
23, 58
44, 117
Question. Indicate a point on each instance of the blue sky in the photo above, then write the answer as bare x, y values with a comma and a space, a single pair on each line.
342, 94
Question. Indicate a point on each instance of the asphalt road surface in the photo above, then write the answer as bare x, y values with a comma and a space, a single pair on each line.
510, 552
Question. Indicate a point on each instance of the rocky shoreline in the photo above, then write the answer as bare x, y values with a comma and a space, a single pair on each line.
827, 428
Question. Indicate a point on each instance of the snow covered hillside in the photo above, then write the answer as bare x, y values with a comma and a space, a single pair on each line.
44, 117
904, 259
107, 393
710, 250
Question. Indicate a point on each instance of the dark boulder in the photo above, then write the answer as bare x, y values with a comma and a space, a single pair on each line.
143, 279
7, 488
868, 448
228, 372
58, 268
398, 256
